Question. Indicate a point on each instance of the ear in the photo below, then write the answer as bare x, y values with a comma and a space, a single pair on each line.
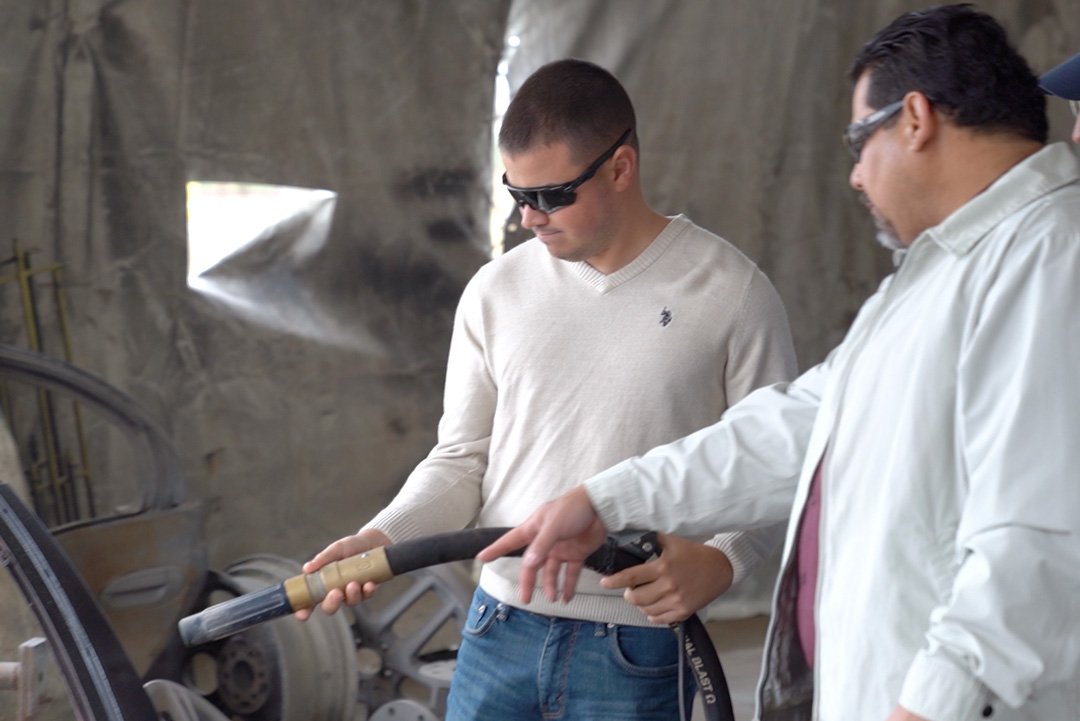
921, 122
624, 167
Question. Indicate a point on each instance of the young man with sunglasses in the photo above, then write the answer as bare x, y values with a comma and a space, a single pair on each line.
614, 329
928, 468
1064, 82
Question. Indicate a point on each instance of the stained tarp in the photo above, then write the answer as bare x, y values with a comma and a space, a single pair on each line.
111, 107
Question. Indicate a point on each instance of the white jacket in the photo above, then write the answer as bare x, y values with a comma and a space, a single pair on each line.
949, 422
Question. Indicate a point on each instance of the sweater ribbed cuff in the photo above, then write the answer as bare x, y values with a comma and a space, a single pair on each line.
397, 525
740, 554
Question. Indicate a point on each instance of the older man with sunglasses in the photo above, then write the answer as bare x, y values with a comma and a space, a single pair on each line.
929, 467
611, 331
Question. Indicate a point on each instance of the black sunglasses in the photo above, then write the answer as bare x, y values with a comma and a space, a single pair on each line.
856, 134
549, 198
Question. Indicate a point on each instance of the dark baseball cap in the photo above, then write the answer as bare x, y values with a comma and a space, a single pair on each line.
1064, 80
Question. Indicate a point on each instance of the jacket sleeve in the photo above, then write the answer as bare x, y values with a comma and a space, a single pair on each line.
1012, 625
738, 474
443, 493
761, 353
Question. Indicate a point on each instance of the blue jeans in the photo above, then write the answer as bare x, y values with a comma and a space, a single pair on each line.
515, 665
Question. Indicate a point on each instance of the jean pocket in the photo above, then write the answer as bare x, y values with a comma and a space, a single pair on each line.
650, 652
482, 616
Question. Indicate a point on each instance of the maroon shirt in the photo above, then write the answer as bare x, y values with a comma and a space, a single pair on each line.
807, 550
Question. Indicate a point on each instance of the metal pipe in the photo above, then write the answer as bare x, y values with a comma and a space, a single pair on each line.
48, 424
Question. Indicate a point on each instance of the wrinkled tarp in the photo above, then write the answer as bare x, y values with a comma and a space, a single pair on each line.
111, 107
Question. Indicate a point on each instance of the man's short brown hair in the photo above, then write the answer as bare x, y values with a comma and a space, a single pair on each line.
571, 101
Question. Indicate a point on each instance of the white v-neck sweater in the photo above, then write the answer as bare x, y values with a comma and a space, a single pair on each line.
557, 371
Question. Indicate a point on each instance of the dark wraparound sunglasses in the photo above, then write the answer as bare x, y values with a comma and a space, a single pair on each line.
549, 198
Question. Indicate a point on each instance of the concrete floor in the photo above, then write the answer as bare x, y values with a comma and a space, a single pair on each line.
739, 645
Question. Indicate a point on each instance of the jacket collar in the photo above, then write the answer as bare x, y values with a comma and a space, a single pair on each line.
1038, 174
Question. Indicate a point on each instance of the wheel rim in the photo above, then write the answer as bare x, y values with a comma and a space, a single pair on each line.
284, 670
408, 634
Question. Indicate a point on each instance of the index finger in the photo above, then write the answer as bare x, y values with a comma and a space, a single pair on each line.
334, 552
513, 540
539, 555
629, 577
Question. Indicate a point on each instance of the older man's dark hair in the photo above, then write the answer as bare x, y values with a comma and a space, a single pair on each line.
962, 61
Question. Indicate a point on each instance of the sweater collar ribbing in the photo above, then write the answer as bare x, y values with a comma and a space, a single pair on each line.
605, 283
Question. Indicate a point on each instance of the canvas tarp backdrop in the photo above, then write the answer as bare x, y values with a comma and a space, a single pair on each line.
291, 438
295, 432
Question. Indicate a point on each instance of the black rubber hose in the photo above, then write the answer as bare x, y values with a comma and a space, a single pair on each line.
617, 552
438, 548
701, 655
